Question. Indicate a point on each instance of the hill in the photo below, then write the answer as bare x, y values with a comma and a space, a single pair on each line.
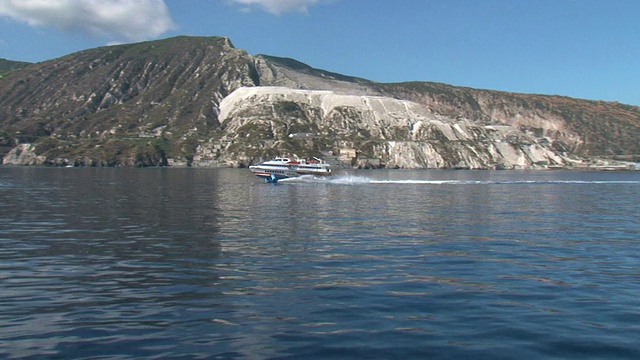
189, 101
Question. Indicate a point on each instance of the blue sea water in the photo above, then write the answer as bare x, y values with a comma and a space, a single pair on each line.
215, 264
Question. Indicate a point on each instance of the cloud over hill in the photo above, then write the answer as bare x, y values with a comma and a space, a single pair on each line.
117, 20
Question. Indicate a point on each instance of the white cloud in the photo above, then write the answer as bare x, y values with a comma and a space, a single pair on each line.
130, 20
279, 6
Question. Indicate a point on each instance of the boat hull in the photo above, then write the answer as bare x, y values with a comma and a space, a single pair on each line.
271, 177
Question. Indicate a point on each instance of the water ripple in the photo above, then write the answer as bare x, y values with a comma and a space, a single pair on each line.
124, 264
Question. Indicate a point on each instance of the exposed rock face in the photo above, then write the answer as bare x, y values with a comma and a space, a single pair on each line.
400, 133
581, 127
200, 101
23, 154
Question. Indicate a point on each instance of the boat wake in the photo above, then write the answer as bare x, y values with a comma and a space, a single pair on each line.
361, 180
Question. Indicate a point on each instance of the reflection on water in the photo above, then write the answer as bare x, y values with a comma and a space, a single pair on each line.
213, 263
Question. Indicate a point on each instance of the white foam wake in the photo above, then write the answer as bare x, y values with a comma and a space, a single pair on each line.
361, 180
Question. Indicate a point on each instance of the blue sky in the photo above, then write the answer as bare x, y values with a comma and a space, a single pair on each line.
579, 48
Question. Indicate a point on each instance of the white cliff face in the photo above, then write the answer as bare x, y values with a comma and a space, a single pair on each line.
238, 100
399, 133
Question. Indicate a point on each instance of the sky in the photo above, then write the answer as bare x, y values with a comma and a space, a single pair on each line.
587, 49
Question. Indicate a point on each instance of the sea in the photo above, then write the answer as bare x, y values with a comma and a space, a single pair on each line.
193, 263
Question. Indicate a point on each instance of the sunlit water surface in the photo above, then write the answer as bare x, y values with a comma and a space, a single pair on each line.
213, 263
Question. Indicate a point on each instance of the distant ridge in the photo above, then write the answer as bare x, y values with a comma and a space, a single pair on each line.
7, 65
304, 68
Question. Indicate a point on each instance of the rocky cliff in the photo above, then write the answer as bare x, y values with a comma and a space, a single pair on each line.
400, 133
200, 101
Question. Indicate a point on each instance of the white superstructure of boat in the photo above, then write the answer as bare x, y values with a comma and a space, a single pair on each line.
288, 167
